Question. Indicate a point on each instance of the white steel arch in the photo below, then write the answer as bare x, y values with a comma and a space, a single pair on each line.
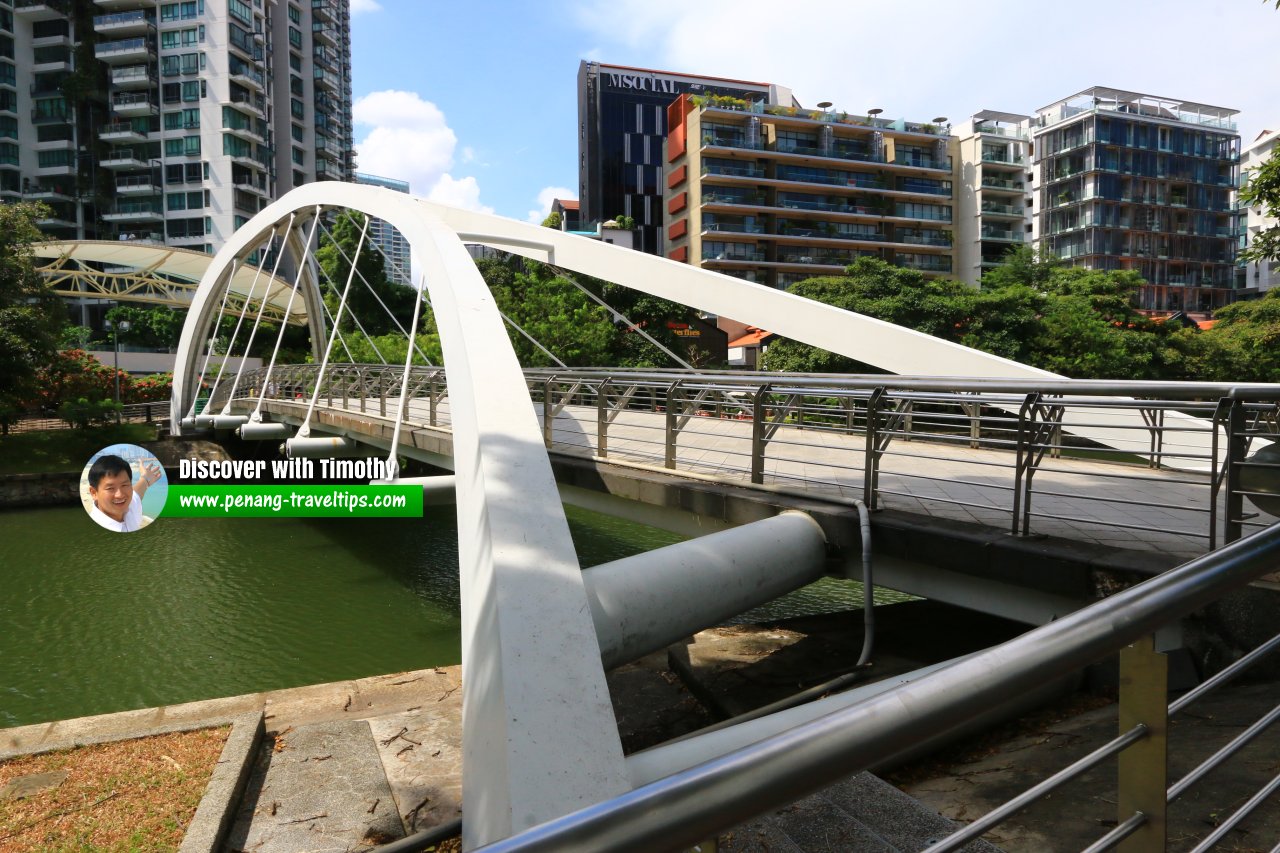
539, 732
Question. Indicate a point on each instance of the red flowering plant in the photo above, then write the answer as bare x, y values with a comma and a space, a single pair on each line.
73, 374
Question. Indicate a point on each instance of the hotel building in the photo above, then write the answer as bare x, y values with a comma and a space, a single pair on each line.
622, 129
778, 194
1127, 181
170, 122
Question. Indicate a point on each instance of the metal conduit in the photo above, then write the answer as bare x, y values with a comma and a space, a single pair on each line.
696, 804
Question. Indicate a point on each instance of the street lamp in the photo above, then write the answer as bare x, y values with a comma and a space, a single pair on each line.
116, 329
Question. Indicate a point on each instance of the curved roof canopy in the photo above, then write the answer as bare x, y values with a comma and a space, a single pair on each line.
163, 275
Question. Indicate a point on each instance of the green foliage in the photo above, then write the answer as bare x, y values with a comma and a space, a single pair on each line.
552, 221
1244, 344
1079, 323
361, 302
1021, 265
1263, 190
31, 317
82, 413
73, 374
626, 223
65, 449
394, 348
156, 327
74, 337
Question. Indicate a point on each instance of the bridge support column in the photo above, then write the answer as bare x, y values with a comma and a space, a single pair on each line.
642, 603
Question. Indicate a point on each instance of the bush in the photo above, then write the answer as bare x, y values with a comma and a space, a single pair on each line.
83, 413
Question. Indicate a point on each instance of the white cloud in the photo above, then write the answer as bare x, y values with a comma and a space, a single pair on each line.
411, 140
545, 197
361, 6
458, 192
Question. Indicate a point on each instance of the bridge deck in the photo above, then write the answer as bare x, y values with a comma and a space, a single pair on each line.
1108, 503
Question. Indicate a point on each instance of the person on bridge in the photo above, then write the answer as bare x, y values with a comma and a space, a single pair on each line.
117, 502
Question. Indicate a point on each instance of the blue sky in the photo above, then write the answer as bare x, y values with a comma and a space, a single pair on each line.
475, 103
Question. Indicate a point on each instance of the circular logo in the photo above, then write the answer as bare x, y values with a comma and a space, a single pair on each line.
123, 488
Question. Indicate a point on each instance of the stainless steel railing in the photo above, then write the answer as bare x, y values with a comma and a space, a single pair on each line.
696, 804
994, 450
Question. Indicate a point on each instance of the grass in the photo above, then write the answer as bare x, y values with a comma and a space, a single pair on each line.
134, 795
60, 450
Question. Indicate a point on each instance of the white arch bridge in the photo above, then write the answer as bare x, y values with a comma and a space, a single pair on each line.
540, 740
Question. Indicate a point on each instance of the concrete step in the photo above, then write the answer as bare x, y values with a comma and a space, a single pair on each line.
319, 787
861, 813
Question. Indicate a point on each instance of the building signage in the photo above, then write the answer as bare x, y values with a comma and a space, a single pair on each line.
646, 83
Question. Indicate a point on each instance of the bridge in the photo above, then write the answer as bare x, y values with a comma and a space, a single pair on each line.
777, 469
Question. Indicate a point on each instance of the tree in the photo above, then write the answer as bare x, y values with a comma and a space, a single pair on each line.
31, 317
157, 327
552, 221
1022, 265
1262, 189
361, 302
1242, 346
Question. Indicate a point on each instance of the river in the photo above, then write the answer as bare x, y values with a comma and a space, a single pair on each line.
187, 609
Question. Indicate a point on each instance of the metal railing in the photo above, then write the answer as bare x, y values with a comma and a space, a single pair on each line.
693, 805
996, 449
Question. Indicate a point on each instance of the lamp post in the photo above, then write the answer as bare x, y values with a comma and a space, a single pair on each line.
116, 329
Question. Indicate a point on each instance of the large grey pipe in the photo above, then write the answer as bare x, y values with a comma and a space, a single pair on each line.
645, 602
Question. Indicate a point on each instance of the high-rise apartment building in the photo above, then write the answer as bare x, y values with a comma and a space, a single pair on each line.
622, 128
778, 194
173, 122
1127, 181
993, 192
395, 248
1259, 276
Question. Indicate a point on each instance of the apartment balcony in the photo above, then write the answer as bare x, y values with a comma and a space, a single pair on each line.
326, 57
48, 194
250, 184
253, 104
322, 32
117, 24
154, 238
41, 10
812, 256
327, 80
124, 159
64, 144
135, 211
59, 220
1014, 161
133, 77
1006, 235
324, 10
138, 185
51, 40
123, 5
731, 228
63, 170
920, 161
249, 77
1002, 185
49, 64
188, 240
933, 263
991, 208
131, 51
936, 241
328, 148
121, 131
750, 256
133, 104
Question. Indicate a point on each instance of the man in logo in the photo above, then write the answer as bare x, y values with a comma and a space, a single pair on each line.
117, 502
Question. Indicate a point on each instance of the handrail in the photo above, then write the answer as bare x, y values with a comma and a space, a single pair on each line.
695, 804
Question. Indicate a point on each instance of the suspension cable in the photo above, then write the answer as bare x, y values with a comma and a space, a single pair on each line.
393, 467
329, 281
244, 308
213, 337
305, 429
297, 280
262, 307
412, 339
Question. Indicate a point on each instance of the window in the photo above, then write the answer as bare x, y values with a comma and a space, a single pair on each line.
186, 227
295, 14
295, 130
171, 93
181, 11
47, 159
296, 108
193, 90
240, 9
295, 37
299, 157
9, 127
186, 201
189, 118
295, 62
233, 146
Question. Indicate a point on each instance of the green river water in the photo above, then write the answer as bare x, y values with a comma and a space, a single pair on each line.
186, 609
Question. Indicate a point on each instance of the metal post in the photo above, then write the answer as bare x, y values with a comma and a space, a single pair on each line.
759, 413
871, 467
1237, 447
602, 418
1144, 682
382, 393
1025, 435
548, 415
673, 428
